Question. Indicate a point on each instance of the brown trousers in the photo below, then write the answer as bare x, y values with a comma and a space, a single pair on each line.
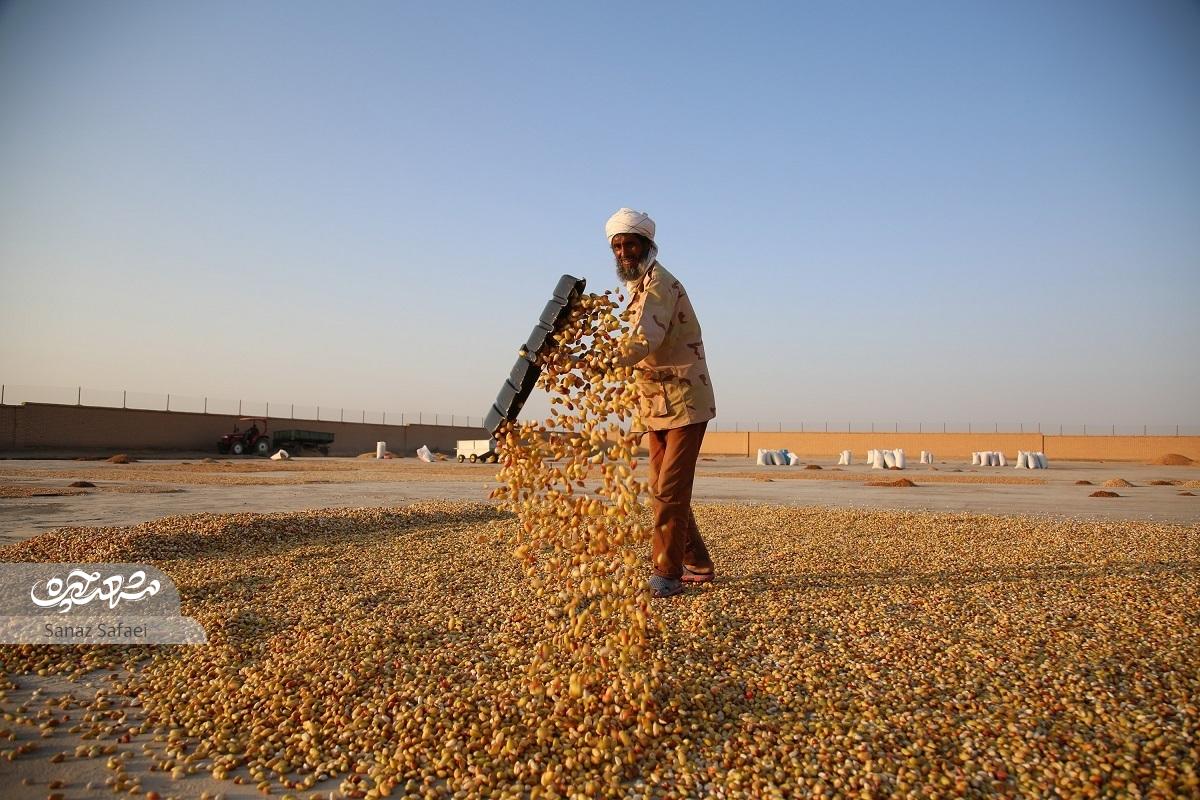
676, 540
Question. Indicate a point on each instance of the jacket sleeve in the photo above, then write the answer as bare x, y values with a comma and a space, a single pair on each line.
649, 328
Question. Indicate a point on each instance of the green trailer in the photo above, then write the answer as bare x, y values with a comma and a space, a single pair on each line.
293, 441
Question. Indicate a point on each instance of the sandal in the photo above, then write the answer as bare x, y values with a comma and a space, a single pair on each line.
664, 587
692, 576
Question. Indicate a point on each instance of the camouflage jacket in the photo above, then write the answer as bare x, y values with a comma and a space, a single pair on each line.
664, 343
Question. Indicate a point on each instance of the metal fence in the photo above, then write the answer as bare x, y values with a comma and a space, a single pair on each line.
13, 394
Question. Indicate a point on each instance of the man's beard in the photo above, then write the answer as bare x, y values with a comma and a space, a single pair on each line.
629, 274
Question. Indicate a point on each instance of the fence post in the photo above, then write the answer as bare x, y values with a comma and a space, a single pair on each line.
1, 394
420, 417
385, 418
123, 391
168, 401
897, 428
1177, 430
342, 416
1144, 430
293, 410
364, 416
872, 427
79, 397
1022, 427
239, 408
997, 430
268, 411
757, 427
437, 419
401, 417
1114, 433
943, 427
735, 430
318, 413
1085, 430
920, 427
206, 405
968, 427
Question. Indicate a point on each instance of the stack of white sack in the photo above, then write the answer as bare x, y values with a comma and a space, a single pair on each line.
776, 458
844, 458
988, 458
1027, 459
926, 457
886, 459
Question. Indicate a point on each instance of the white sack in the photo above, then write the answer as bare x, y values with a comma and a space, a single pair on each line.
889, 459
424, 453
899, 454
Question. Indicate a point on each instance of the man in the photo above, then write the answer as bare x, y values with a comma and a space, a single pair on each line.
675, 398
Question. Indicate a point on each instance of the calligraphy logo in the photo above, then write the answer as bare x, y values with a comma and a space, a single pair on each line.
81, 588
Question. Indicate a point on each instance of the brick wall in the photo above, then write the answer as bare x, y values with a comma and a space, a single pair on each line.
953, 445
48, 427
943, 445
8, 427
43, 426
1121, 448
725, 443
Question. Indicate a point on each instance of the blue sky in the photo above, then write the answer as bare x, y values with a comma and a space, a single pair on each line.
888, 211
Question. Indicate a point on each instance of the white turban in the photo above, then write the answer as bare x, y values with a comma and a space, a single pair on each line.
629, 221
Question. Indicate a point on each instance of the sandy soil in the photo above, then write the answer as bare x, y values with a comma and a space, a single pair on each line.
132, 493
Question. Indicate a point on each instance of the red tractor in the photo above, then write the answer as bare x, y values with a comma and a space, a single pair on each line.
255, 439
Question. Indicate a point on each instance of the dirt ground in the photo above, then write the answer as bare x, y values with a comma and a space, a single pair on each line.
127, 494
